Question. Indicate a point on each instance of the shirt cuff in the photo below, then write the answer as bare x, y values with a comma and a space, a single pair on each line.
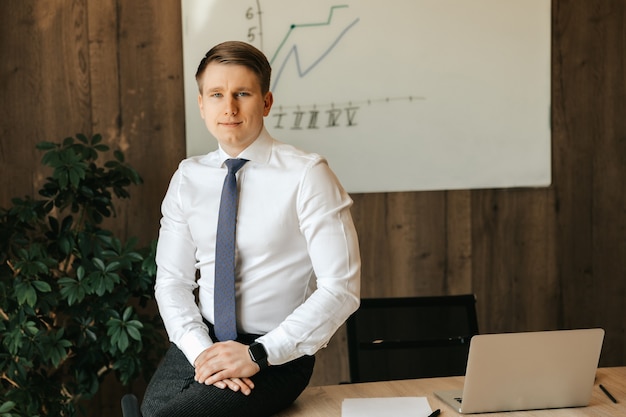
193, 343
279, 351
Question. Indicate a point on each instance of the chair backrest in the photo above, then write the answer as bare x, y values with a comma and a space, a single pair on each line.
412, 337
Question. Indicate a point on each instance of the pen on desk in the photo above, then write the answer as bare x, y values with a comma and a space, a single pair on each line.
435, 413
608, 394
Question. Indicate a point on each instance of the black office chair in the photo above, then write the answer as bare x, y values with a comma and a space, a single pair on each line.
413, 337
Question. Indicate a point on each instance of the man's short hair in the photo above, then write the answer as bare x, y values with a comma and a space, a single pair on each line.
238, 53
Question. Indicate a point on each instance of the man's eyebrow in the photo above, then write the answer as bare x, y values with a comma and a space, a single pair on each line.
218, 88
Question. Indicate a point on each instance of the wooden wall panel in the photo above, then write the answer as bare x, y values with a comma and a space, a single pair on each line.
573, 132
609, 179
151, 101
44, 84
94, 67
402, 247
513, 270
458, 249
589, 95
104, 69
536, 258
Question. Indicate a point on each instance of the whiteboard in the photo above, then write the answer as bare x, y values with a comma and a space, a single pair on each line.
398, 95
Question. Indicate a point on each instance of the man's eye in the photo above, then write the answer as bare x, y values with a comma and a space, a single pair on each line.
217, 95
242, 94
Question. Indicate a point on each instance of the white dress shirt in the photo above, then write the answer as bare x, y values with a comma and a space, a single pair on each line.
298, 263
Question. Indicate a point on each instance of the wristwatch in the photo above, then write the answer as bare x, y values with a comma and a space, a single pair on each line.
258, 354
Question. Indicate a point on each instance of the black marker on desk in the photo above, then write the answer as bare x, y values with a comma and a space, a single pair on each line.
435, 413
608, 394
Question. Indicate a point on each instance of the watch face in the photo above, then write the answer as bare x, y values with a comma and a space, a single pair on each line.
257, 351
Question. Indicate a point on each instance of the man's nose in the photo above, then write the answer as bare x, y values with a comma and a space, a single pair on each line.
231, 107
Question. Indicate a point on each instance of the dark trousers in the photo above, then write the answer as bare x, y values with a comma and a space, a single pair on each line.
172, 391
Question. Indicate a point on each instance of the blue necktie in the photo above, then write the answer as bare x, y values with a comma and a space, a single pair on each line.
224, 297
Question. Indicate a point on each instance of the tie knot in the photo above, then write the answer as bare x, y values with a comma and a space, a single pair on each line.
235, 165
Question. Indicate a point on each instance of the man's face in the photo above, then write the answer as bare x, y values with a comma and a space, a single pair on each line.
232, 105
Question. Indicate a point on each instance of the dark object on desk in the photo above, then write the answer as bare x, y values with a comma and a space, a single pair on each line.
608, 394
130, 406
411, 337
435, 413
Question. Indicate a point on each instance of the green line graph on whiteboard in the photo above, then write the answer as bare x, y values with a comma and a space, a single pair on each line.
458, 88
286, 51
293, 50
290, 52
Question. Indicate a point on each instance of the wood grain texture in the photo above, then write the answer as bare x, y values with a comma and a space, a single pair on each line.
589, 94
151, 102
402, 247
325, 401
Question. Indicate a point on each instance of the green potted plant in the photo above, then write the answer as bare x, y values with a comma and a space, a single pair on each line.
71, 293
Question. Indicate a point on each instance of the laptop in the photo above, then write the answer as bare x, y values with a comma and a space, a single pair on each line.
527, 371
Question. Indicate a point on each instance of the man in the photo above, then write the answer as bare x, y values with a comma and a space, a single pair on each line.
297, 273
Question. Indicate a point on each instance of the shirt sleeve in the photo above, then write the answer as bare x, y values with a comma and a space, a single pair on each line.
176, 276
324, 213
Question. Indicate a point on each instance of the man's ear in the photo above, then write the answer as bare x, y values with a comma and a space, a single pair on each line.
200, 105
267, 103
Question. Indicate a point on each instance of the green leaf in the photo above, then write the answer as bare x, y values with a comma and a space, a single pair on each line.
118, 155
13, 340
31, 327
7, 406
72, 290
65, 245
54, 224
31, 296
62, 177
75, 176
134, 257
134, 333
128, 311
113, 266
99, 264
95, 139
135, 323
122, 342
42, 286
54, 347
45, 146
51, 158
25, 293
68, 141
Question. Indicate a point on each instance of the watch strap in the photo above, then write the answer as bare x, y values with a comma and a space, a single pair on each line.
258, 354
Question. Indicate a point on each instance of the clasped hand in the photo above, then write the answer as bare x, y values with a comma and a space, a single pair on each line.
226, 365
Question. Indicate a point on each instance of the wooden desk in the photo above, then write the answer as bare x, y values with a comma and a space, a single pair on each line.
325, 401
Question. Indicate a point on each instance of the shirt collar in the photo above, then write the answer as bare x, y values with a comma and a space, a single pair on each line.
258, 151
